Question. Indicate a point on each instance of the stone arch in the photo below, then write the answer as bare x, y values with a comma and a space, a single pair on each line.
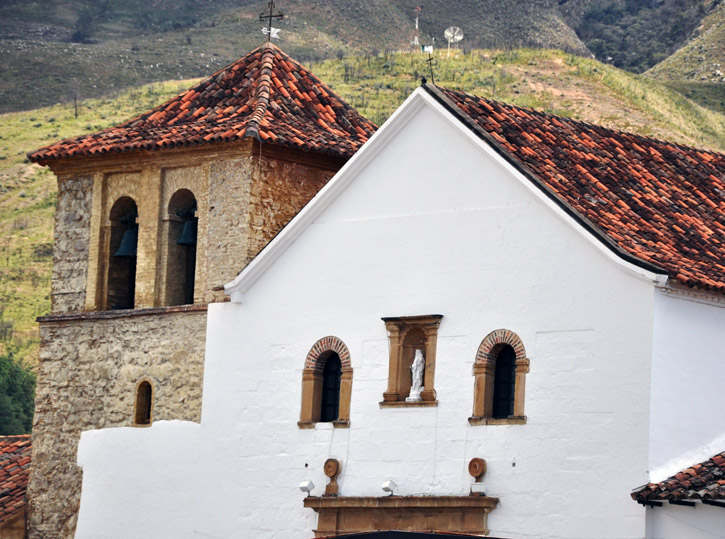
122, 243
179, 248
494, 341
312, 382
484, 371
316, 355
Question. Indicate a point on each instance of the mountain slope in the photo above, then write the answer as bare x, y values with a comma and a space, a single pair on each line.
549, 80
54, 49
702, 59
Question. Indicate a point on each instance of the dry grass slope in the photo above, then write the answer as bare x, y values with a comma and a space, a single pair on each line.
375, 84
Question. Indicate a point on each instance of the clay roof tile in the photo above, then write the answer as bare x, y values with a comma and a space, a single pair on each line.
658, 204
14, 473
234, 100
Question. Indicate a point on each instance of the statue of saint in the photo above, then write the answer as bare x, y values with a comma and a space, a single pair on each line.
416, 377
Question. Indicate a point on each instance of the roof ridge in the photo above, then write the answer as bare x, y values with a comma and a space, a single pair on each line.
263, 91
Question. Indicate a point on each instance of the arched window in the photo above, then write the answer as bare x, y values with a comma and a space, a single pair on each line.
181, 239
504, 383
144, 403
121, 278
330, 405
326, 384
500, 380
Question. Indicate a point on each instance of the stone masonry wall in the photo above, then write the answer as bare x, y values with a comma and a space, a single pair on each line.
279, 190
90, 362
229, 187
87, 376
70, 255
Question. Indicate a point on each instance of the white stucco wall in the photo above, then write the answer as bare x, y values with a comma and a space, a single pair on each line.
680, 522
687, 381
432, 225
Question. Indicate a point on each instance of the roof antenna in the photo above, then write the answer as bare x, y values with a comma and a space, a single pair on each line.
431, 64
271, 32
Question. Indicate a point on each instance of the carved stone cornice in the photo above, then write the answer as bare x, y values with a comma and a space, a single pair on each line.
348, 514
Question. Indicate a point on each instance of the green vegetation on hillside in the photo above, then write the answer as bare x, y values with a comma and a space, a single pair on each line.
637, 34
17, 397
55, 49
702, 59
549, 80
27, 203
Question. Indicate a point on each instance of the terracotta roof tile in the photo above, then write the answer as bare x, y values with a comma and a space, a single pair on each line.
705, 480
14, 473
656, 203
265, 95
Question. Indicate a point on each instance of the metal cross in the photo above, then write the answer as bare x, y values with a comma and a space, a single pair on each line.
263, 17
431, 64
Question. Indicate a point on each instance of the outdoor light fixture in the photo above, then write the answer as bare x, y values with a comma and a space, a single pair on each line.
389, 486
307, 486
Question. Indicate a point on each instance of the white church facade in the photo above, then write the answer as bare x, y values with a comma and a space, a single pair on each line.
575, 359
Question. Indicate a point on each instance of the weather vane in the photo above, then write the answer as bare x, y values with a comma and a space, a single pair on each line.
271, 32
431, 64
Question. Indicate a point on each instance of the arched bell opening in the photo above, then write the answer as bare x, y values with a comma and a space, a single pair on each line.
121, 281
181, 241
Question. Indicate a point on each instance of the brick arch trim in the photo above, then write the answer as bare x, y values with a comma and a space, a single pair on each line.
327, 344
491, 344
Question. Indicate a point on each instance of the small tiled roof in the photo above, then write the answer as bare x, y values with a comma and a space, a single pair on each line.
14, 472
699, 482
658, 204
266, 95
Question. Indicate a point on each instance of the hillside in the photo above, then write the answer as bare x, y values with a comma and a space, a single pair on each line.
55, 49
697, 70
375, 84
635, 34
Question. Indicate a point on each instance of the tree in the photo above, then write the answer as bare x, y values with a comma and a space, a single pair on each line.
17, 397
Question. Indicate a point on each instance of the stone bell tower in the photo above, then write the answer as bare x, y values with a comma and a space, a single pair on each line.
153, 216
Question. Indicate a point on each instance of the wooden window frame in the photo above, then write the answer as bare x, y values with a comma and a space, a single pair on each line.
484, 371
312, 383
398, 328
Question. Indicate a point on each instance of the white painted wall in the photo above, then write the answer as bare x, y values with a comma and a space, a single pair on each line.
432, 225
687, 381
679, 522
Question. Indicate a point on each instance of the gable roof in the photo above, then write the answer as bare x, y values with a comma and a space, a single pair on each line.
265, 95
657, 204
14, 473
703, 481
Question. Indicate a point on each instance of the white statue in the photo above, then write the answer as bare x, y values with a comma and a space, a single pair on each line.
416, 377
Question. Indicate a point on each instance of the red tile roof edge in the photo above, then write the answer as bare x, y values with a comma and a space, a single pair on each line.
530, 175
702, 481
15, 454
525, 138
329, 140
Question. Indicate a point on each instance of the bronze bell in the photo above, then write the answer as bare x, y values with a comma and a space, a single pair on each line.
127, 248
187, 238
